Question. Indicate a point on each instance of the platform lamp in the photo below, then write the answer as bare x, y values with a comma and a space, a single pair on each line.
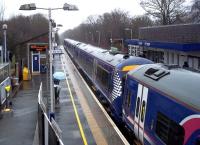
67, 7
99, 38
4, 27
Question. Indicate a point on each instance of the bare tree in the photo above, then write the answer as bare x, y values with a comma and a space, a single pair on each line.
2, 10
140, 21
22, 28
165, 11
194, 14
107, 26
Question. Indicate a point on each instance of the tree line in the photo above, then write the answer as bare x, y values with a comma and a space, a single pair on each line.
108, 26
118, 23
22, 28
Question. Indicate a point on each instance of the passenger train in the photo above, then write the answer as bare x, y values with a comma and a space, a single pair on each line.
105, 70
160, 104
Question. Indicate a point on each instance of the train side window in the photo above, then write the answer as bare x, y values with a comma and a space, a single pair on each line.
137, 106
103, 77
169, 131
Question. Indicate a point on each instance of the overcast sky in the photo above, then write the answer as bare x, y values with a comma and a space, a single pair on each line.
71, 19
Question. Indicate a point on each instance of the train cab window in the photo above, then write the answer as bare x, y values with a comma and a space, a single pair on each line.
123, 83
169, 131
137, 106
128, 99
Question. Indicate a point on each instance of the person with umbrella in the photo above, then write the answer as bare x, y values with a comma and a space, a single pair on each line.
57, 77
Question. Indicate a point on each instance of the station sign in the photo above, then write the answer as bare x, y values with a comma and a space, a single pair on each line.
57, 51
38, 47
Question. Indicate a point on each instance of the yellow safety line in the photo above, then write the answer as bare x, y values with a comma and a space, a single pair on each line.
77, 116
95, 134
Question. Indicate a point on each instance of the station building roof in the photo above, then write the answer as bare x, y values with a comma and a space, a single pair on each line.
186, 47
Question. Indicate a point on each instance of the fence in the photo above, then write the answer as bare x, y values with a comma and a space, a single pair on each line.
48, 130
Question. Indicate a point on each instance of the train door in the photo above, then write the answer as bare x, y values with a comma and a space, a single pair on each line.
35, 62
140, 111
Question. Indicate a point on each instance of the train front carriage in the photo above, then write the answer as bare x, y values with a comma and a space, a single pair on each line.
118, 81
162, 105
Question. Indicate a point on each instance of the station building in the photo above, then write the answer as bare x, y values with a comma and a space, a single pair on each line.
33, 53
171, 44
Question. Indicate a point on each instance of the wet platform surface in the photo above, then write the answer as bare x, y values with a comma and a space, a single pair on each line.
65, 114
18, 126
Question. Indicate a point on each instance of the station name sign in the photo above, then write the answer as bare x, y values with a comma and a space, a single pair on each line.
38, 47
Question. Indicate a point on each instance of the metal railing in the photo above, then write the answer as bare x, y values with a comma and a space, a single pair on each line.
48, 130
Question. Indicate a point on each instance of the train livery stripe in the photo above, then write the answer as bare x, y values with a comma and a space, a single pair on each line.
76, 113
190, 125
129, 67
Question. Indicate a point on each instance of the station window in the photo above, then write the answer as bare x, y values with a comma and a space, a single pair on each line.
199, 63
169, 131
172, 58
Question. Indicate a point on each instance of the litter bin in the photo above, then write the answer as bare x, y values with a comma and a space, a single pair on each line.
25, 74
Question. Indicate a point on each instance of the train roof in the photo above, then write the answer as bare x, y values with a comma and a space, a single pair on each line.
180, 84
107, 56
74, 42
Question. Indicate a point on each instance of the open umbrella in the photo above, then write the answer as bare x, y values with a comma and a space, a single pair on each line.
59, 75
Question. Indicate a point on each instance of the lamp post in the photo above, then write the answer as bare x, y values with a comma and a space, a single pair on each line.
99, 38
67, 7
91, 36
58, 26
129, 29
110, 37
5, 49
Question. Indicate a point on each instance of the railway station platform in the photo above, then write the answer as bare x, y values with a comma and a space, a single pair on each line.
18, 126
78, 113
